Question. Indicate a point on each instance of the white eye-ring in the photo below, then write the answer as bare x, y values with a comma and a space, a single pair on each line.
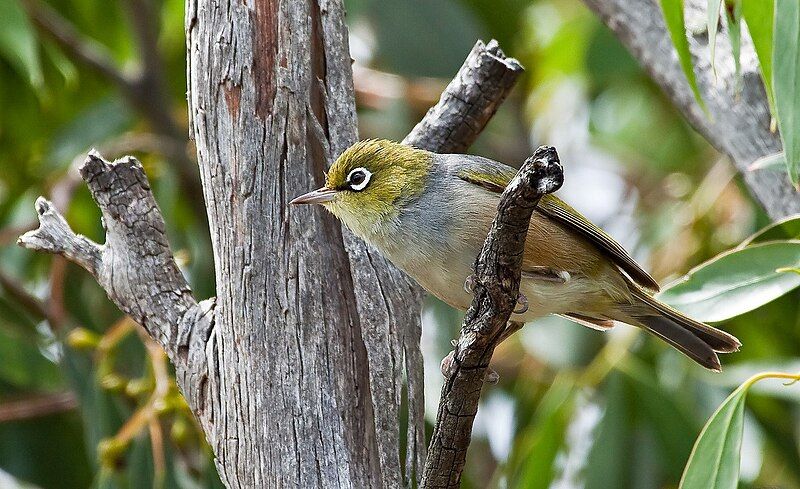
358, 178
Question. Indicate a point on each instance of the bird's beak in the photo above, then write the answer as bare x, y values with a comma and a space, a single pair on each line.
319, 196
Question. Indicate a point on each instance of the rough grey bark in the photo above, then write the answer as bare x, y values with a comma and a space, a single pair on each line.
496, 288
738, 123
295, 370
135, 266
311, 325
468, 102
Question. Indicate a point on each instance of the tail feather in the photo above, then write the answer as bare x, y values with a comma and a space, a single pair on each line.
697, 340
682, 339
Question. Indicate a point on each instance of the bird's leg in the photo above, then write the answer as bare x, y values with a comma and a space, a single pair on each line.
547, 274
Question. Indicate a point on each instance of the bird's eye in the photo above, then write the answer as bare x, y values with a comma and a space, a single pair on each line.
358, 179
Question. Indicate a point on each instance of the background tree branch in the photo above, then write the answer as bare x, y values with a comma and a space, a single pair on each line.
497, 276
738, 122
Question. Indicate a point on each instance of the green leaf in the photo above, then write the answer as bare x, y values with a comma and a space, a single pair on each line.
759, 15
786, 80
785, 229
733, 14
714, 461
712, 23
18, 42
736, 281
673, 16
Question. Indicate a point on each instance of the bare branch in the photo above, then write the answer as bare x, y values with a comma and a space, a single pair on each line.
497, 276
738, 121
468, 102
40, 405
55, 236
135, 266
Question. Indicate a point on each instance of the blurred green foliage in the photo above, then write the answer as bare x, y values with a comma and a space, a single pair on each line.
574, 408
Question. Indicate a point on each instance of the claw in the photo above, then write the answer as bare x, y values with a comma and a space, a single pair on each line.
522, 304
491, 377
446, 367
469, 284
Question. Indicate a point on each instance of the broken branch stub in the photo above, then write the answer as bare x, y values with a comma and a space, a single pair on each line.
135, 266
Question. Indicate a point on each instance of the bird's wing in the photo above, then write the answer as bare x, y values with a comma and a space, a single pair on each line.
495, 176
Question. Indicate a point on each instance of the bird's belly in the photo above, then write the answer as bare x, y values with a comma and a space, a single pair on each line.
447, 283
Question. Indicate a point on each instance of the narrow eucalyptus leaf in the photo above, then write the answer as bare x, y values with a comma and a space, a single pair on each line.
786, 63
712, 26
714, 461
759, 15
676, 24
785, 229
736, 282
18, 42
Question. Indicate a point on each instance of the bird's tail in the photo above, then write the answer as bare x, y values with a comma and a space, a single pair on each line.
697, 340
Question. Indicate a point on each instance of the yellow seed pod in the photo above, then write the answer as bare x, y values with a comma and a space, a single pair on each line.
83, 339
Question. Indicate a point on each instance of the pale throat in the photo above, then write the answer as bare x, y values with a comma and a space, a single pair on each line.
376, 227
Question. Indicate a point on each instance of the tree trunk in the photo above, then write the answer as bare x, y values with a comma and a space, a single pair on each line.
271, 101
313, 333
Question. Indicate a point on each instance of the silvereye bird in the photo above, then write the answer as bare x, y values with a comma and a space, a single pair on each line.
429, 214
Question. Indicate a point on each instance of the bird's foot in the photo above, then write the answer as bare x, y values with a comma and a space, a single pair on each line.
522, 304
491, 376
469, 284
448, 364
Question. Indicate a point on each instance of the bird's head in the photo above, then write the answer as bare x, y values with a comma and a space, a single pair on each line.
368, 185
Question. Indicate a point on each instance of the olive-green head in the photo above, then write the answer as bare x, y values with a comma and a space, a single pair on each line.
368, 185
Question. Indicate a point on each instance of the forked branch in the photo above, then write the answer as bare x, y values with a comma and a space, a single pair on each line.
135, 266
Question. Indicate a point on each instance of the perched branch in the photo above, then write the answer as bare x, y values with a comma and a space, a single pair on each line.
496, 288
452, 125
135, 265
738, 119
468, 102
